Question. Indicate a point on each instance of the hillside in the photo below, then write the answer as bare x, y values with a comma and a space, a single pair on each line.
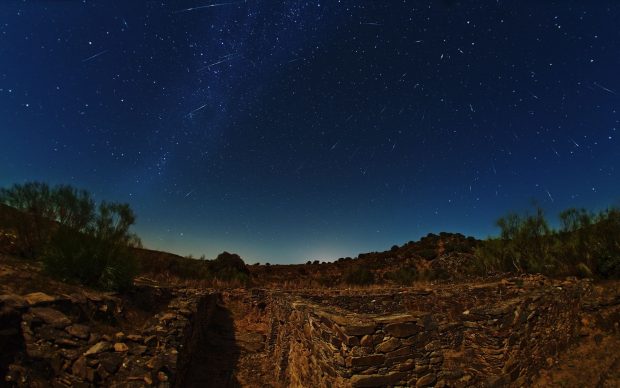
433, 257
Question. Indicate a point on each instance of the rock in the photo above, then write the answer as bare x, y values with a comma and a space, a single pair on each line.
36, 298
79, 331
52, 317
119, 336
79, 368
426, 380
407, 365
361, 381
402, 330
98, 348
13, 301
436, 360
70, 354
252, 342
366, 340
65, 342
405, 351
162, 377
373, 359
168, 317
120, 347
137, 350
359, 329
102, 372
135, 338
110, 361
150, 340
389, 345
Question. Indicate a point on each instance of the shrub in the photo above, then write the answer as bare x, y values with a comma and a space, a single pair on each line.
586, 245
229, 267
583, 271
75, 240
359, 276
404, 276
32, 222
428, 254
98, 253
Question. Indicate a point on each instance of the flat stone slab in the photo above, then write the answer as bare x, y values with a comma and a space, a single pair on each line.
51, 316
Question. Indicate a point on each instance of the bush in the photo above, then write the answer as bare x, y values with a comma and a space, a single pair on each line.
428, 254
32, 222
75, 240
229, 267
404, 276
586, 245
98, 253
583, 271
359, 276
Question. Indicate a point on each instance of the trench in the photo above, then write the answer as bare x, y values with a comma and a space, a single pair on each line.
225, 344
210, 354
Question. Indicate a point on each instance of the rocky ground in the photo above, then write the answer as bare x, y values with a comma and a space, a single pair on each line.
594, 359
57, 334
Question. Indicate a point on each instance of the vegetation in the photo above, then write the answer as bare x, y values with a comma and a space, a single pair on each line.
76, 240
585, 245
230, 267
359, 276
403, 276
226, 268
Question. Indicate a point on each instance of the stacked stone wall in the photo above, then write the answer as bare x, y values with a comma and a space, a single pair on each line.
492, 336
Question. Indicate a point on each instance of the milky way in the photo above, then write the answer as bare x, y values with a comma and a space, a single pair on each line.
288, 131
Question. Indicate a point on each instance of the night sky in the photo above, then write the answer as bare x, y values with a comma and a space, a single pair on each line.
292, 130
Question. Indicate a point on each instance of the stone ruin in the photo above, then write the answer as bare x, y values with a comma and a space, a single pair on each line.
487, 334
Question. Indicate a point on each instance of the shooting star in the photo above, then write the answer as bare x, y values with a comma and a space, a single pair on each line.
94, 56
189, 193
603, 88
574, 142
223, 59
549, 194
190, 114
205, 6
373, 24
334, 146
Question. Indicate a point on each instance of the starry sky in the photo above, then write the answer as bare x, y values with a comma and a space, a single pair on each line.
294, 130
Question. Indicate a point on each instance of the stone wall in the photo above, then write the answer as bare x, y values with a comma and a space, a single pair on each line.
495, 335
492, 334
76, 339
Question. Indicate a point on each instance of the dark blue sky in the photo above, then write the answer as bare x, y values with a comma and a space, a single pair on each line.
288, 131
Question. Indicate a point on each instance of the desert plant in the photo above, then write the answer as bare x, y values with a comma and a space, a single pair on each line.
359, 276
229, 267
75, 240
31, 223
404, 276
99, 252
